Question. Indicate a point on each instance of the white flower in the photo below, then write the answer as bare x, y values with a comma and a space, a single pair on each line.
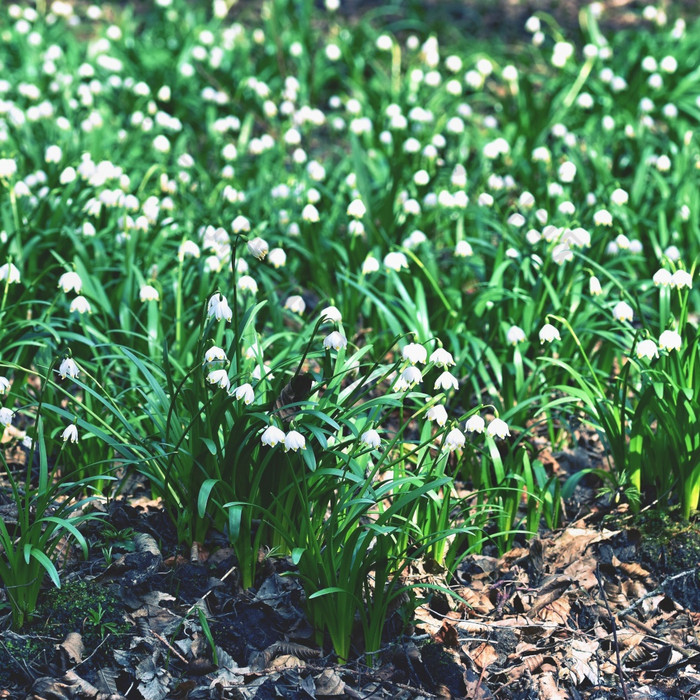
438, 413
549, 333
8, 167
356, 228
567, 171
681, 279
602, 218
414, 352
310, 213
218, 308
670, 340
672, 253
662, 277
442, 358
295, 304
220, 378
622, 242
148, 293
463, 249
623, 311
401, 384
454, 440
619, 197
241, 225
188, 248
668, 64
371, 438
515, 335
9, 272
81, 305
356, 209
446, 381
294, 441
594, 287
411, 376
475, 424
258, 247
578, 237
335, 341
4, 385
277, 258
53, 154
6, 416
395, 261
68, 368
70, 433
272, 436
245, 392
247, 284
647, 349
214, 354
370, 264
562, 253
498, 428
331, 314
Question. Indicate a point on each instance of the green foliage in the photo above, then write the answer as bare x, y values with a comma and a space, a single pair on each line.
289, 269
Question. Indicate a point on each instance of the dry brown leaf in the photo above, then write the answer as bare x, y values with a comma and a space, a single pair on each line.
581, 663
549, 593
329, 682
635, 570
548, 689
508, 560
556, 611
634, 589
73, 648
483, 656
573, 543
583, 572
479, 601
447, 635
283, 661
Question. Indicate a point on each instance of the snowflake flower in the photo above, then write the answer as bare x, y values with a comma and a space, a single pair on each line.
475, 424
371, 438
272, 436
70, 433
498, 428
454, 440
294, 441
68, 368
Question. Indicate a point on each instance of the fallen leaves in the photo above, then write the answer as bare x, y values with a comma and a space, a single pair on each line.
532, 623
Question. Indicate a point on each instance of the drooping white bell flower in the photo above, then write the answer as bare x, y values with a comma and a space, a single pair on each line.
70, 281
475, 424
294, 441
272, 436
68, 368
623, 311
454, 440
414, 353
498, 428
218, 308
548, 333
670, 340
70, 433
371, 438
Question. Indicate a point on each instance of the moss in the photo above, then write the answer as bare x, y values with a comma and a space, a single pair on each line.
667, 541
91, 609
18, 655
74, 607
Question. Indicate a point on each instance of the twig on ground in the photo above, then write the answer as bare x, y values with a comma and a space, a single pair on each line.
618, 662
